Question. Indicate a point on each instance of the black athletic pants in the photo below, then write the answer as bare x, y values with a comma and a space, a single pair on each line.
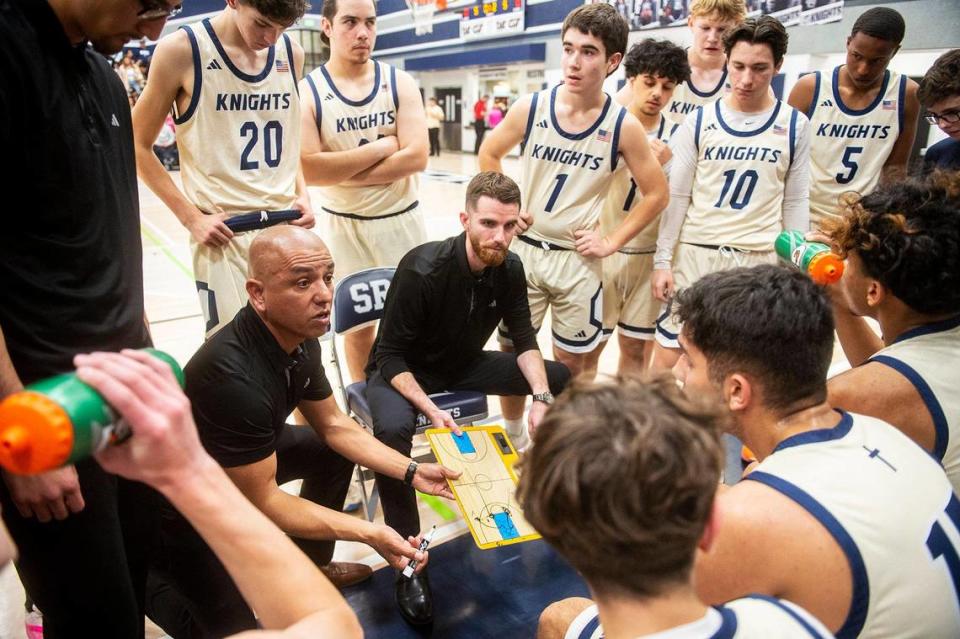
481, 129
394, 419
434, 141
87, 573
190, 593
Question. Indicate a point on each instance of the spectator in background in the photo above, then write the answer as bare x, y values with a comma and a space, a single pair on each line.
434, 118
939, 94
480, 121
495, 116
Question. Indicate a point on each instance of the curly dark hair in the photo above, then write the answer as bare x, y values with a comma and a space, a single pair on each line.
283, 11
625, 470
769, 322
907, 235
763, 30
659, 58
942, 80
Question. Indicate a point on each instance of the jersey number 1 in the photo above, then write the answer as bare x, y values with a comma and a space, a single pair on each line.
272, 144
561, 178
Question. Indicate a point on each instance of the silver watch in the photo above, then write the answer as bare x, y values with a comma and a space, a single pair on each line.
546, 398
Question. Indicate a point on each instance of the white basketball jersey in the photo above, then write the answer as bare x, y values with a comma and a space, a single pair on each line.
623, 195
566, 176
239, 137
346, 124
891, 510
751, 617
929, 356
739, 182
686, 98
848, 148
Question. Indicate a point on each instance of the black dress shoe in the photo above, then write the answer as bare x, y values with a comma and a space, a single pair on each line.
414, 599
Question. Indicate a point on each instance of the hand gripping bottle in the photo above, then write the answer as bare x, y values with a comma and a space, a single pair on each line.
59, 421
813, 258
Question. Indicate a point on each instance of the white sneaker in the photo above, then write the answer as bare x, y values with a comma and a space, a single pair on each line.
519, 440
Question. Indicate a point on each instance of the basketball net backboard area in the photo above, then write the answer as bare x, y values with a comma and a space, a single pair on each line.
423, 11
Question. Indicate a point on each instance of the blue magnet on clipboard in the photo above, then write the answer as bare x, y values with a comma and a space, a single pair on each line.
505, 526
464, 445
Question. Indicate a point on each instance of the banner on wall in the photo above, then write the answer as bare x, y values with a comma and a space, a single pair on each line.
654, 14
492, 19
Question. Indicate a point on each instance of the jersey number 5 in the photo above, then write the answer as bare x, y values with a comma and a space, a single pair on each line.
851, 166
940, 545
272, 144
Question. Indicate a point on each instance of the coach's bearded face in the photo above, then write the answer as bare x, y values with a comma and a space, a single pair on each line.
491, 252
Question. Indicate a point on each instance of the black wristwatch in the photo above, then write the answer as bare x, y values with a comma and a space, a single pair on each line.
546, 398
411, 471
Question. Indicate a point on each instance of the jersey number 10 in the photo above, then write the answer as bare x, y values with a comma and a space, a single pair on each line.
743, 190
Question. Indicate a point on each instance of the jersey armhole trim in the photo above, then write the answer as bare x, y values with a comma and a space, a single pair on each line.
901, 103
816, 95
291, 62
317, 108
860, 599
615, 156
530, 116
696, 130
393, 87
197, 77
773, 601
941, 431
793, 133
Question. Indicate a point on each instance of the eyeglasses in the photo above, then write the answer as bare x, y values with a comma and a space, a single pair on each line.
947, 117
157, 10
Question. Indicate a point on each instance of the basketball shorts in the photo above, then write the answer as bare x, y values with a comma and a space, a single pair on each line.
571, 286
221, 277
628, 304
586, 625
690, 263
362, 243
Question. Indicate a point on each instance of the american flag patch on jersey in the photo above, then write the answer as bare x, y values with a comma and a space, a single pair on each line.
779, 130
889, 105
282, 66
603, 135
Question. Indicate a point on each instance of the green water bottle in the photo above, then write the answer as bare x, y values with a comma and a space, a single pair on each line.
59, 421
813, 258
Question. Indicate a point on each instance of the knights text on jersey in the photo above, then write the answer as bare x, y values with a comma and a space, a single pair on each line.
346, 124
848, 147
892, 512
738, 188
623, 195
686, 98
566, 176
239, 137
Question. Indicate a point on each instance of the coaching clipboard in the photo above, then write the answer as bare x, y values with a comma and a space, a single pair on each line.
486, 491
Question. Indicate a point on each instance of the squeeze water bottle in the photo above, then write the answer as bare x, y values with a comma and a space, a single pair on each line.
59, 421
813, 258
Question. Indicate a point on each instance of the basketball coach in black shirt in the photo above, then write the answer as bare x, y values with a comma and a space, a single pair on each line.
443, 304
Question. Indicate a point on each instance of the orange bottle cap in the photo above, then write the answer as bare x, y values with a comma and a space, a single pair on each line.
36, 434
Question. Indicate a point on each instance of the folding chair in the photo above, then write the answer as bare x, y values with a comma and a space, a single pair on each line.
358, 301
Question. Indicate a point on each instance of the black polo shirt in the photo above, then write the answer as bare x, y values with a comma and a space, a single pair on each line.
243, 386
438, 315
71, 263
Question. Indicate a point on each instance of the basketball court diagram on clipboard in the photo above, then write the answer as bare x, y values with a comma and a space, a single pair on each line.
486, 490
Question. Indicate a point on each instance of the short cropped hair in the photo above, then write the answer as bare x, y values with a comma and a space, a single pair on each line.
659, 58
621, 480
283, 11
763, 30
602, 21
942, 80
733, 10
881, 22
494, 185
907, 235
771, 323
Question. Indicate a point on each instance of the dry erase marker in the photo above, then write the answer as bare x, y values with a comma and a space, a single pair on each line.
408, 571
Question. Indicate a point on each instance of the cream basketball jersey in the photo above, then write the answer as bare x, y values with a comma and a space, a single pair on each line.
239, 137
849, 147
738, 187
566, 175
346, 124
686, 98
623, 195
929, 356
892, 512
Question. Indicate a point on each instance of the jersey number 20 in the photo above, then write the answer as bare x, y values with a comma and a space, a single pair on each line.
272, 144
